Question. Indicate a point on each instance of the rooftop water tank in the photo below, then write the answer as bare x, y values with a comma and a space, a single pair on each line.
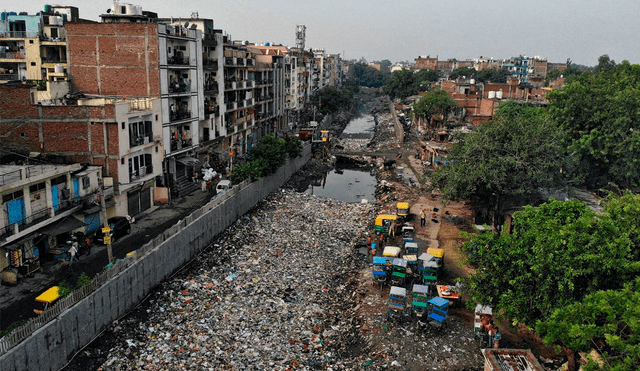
499, 94
3, 16
58, 68
472, 81
130, 9
492, 94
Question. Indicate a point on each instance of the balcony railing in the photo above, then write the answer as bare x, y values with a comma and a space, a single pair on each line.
140, 140
178, 59
12, 55
229, 62
210, 63
141, 172
9, 77
19, 34
179, 87
180, 114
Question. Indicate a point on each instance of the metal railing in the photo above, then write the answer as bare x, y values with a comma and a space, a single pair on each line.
9, 76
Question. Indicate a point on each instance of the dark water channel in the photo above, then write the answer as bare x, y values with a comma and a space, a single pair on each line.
349, 182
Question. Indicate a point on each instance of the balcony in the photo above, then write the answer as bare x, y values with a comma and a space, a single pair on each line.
229, 62
179, 87
210, 63
180, 143
211, 88
178, 59
250, 62
12, 55
180, 114
140, 173
20, 34
9, 77
139, 140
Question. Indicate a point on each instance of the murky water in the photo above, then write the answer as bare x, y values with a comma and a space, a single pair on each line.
362, 126
348, 185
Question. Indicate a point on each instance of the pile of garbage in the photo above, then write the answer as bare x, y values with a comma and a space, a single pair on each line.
271, 293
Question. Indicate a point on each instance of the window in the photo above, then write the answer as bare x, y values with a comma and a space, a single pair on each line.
123, 125
37, 187
12, 196
33, 63
122, 161
59, 180
86, 182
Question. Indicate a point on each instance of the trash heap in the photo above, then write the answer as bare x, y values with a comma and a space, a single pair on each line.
271, 293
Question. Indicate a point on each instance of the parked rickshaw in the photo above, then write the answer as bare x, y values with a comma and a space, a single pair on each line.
47, 299
411, 248
391, 252
403, 210
397, 304
438, 255
398, 272
383, 222
429, 269
380, 270
420, 304
438, 308
408, 233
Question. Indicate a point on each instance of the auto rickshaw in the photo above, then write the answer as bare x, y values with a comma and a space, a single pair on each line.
383, 222
438, 255
47, 299
403, 210
411, 248
420, 305
408, 233
391, 252
438, 313
399, 272
429, 269
397, 304
380, 269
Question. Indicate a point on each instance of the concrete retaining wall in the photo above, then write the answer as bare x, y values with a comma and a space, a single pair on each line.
52, 345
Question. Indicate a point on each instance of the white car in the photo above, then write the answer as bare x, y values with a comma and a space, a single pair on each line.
223, 186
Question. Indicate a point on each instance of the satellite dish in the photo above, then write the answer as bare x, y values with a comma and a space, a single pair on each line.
186, 24
108, 10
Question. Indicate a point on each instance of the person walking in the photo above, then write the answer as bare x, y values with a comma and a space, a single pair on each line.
392, 229
423, 218
73, 250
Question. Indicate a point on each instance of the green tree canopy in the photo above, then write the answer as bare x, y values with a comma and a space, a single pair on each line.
437, 102
496, 75
467, 72
607, 321
517, 153
365, 75
266, 157
404, 83
556, 255
600, 113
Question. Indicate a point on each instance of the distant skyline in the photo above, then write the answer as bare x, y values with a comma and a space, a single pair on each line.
580, 30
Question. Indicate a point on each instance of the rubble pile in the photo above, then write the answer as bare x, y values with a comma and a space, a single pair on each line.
272, 293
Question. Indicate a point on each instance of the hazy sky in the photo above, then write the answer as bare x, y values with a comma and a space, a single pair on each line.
402, 30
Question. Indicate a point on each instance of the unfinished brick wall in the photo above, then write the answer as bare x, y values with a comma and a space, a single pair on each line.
114, 58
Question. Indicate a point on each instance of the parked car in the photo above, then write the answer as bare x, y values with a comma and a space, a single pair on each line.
223, 186
120, 227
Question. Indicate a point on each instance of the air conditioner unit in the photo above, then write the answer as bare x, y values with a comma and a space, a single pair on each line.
66, 193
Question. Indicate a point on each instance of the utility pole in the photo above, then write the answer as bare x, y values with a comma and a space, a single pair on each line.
103, 217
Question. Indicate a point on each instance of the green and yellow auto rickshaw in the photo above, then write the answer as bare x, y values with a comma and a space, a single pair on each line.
403, 210
384, 221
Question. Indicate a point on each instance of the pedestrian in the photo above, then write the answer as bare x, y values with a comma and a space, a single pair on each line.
88, 245
373, 249
392, 229
73, 251
381, 239
423, 218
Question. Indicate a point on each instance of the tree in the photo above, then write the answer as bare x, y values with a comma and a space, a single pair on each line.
600, 112
365, 75
496, 75
462, 72
404, 83
437, 102
606, 321
511, 157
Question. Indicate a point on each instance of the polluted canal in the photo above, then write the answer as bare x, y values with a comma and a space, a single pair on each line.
283, 288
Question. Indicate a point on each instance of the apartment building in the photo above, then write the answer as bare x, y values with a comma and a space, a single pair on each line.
42, 207
33, 48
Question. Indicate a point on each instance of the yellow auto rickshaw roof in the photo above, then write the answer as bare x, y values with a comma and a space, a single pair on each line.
402, 205
438, 253
382, 217
49, 296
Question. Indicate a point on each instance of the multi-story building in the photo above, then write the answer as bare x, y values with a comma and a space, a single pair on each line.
269, 94
33, 48
42, 206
